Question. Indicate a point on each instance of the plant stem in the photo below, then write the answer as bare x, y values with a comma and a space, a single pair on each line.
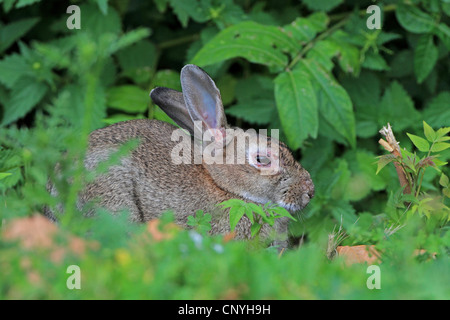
338, 16
311, 44
178, 41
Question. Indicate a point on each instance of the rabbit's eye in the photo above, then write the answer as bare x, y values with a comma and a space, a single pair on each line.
263, 160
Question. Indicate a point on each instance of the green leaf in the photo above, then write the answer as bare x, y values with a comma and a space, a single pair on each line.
13, 67
413, 19
254, 229
297, 107
282, 212
258, 111
137, 56
430, 134
437, 111
3, 175
441, 133
375, 61
14, 31
103, 6
305, 29
443, 181
232, 202
322, 5
97, 23
26, 93
384, 160
256, 209
419, 142
128, 98
394, 105
425, 57
185, 9
333, 101
440, 146
255, 42
443, 32
236, 213
23, 3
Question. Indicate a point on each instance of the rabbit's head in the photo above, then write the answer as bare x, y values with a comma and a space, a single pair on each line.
246, 163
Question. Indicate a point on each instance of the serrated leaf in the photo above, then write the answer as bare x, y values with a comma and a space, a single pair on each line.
254, 229
23, 3
256, 209
322, 5
232, 202
440, 146
236, 213
425, 57
103, 6
128, 98
437, 111
440, 133
258, 111
419, 142
255, 42
282, 212
185, 9
384, 160
413, 19
375, 61
333, 101
442, 30
394, 105
4, 175
297, 107
26, 93
430, 134
139, 55
97, 23
305, 29
12, 68
14, 31
443, 180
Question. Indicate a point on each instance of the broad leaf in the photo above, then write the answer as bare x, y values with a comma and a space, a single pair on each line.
14, 30
297, 106
425, 57
413, 19
333, 101
24, 96
419, 142
236, 213
440, 146
384, 160
430, 134
322, 5
255, 42
128, 98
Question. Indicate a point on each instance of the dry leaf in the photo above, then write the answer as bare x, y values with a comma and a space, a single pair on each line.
167, 231
37, 232
359, 254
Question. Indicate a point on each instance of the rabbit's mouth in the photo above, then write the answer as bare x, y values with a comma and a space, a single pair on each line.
293, 207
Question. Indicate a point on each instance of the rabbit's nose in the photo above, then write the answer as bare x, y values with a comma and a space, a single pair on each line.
308, 188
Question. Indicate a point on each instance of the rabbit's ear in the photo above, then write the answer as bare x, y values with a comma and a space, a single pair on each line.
202, 98
172, 103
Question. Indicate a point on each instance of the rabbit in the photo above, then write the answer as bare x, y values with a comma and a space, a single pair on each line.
149, 182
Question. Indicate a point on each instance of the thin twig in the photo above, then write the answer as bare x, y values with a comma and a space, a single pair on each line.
392, 146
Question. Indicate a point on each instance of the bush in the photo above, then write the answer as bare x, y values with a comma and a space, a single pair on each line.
312, 69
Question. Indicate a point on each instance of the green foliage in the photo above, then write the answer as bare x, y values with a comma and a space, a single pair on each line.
257, 214
309, 68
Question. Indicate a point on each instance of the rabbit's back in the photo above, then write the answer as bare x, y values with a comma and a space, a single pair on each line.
148, 182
